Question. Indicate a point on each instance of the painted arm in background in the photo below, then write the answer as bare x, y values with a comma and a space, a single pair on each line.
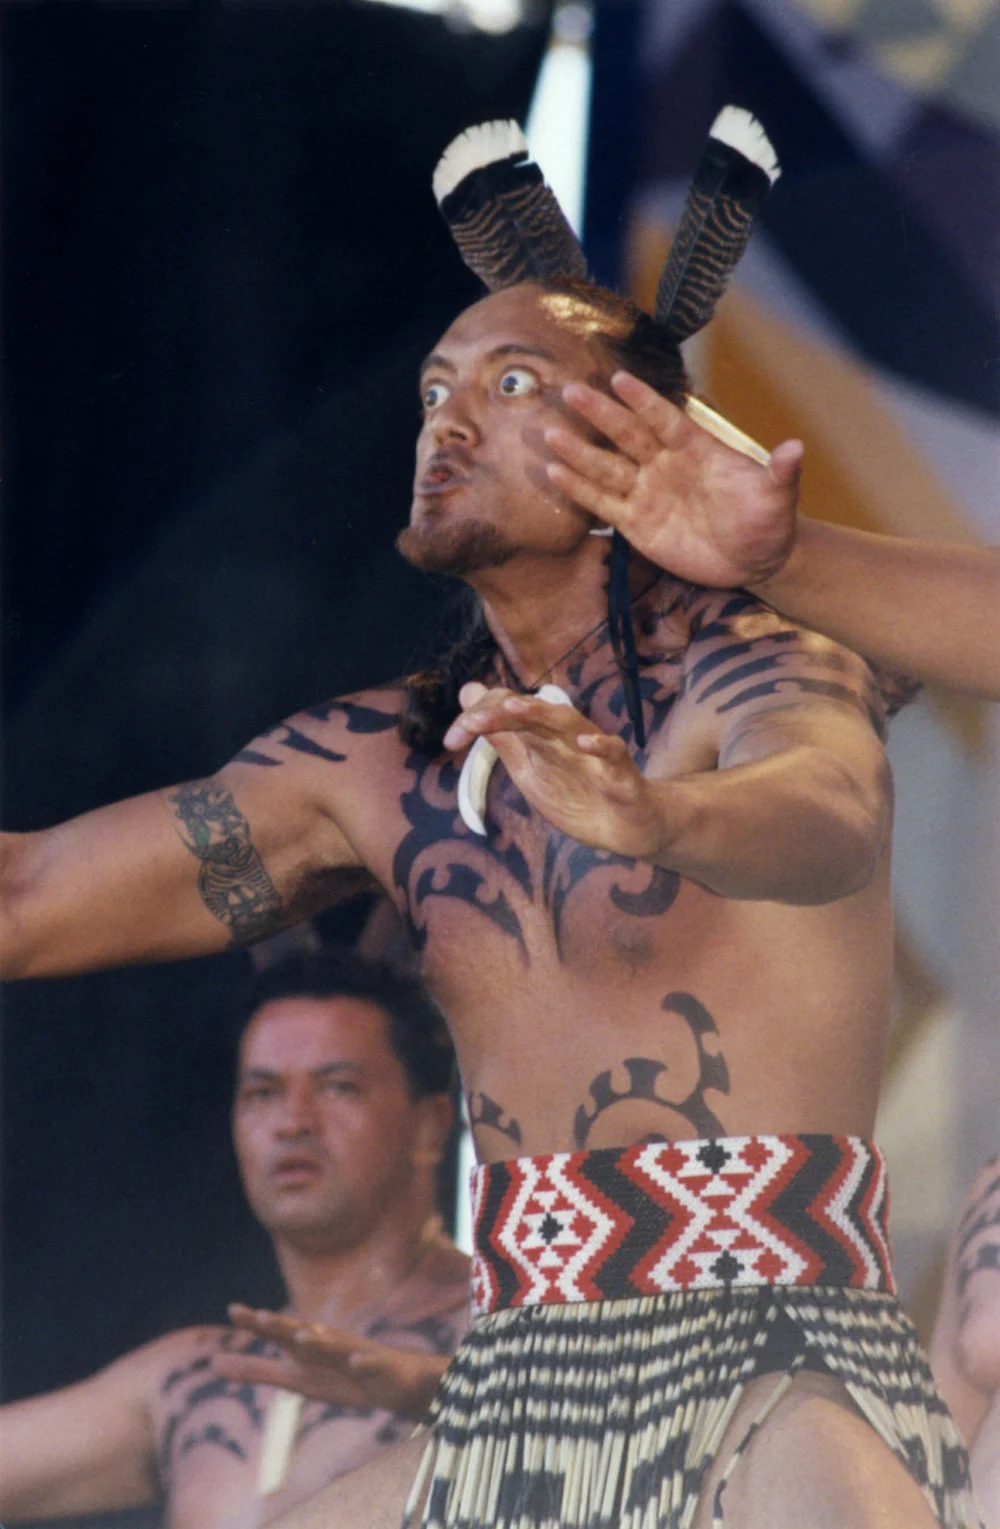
88, 1448
965, 1345
716, 517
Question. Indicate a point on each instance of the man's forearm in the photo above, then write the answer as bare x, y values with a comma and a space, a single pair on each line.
795, 827
928, 609
65, 1454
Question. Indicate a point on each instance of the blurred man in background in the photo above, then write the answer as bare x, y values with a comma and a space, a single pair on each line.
341, 1114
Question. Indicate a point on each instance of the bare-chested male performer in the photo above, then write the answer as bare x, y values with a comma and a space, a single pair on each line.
339, 1119
659, 930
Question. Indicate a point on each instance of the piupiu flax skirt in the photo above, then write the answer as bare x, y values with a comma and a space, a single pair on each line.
624, 1298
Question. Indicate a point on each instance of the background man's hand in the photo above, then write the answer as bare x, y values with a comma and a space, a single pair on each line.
332, 1365
684, 500
580, 779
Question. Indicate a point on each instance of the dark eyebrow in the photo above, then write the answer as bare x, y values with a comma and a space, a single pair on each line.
513, 349
510, 348
328, 1069
434, 359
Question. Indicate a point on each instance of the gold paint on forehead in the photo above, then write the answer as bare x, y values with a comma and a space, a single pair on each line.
577, 314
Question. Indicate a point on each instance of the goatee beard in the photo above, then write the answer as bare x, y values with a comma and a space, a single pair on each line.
458, 550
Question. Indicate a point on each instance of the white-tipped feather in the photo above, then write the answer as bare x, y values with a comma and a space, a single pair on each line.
741, 131
472, 150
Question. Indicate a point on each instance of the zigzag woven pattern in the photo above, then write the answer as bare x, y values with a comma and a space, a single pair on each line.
730, 1212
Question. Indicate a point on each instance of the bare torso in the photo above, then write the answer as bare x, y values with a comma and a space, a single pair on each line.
210, 1432
599, 1001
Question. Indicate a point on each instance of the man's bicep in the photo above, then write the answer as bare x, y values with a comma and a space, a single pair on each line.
181, 872
111, 887
194, 868
267, 849
85, 1449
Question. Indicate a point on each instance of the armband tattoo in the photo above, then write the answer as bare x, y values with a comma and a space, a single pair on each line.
233, 881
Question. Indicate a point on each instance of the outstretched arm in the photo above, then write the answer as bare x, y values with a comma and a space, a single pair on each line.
181, 872
716, 517
88, 1448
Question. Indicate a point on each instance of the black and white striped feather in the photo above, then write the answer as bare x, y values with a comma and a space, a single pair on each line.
505, 220
735, 173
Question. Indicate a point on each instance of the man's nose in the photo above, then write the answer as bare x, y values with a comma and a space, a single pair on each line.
297, 1119
454, 420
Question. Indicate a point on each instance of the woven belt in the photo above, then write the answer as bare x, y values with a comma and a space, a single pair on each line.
734, 1211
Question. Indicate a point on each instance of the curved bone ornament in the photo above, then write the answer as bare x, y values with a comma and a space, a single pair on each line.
474, 780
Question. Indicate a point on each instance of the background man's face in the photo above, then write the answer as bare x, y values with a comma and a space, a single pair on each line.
323, 1122
489, 390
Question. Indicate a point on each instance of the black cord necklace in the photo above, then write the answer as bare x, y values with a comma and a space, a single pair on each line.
516, 679
605, 621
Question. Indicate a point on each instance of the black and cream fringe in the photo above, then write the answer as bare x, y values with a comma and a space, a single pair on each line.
607, 1415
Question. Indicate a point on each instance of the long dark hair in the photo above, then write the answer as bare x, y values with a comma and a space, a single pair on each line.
635, 342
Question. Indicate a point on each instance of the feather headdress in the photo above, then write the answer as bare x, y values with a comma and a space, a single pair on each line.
509, 228
505, 220
736, 171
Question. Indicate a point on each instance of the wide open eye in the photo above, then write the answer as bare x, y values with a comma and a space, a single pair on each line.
516, 381
433, 395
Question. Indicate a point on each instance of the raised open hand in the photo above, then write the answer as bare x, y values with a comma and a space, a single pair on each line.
704, 511
580, 779
333, 1365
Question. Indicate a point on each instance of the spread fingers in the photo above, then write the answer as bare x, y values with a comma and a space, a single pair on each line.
624, 426
664, 421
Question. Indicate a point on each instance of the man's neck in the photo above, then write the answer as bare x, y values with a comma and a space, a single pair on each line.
540, 611
346, 1286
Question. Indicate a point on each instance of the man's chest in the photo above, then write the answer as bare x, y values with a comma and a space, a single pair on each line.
234, 1454
522, 890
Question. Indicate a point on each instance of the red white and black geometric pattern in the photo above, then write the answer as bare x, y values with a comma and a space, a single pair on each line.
689, 1215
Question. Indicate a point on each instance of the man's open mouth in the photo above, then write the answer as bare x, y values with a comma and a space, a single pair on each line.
442, 474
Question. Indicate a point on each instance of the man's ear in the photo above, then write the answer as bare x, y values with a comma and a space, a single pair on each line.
435, 1116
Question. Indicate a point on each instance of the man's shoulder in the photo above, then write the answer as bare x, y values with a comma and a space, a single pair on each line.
331, 732
739, 652
719, 627
983, 1192
162, 1361
145, 1374
433, 1303
362, 714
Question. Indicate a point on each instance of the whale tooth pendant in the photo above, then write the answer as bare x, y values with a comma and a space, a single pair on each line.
474, 780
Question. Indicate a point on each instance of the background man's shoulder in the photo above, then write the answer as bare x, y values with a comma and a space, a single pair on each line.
166, 1361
